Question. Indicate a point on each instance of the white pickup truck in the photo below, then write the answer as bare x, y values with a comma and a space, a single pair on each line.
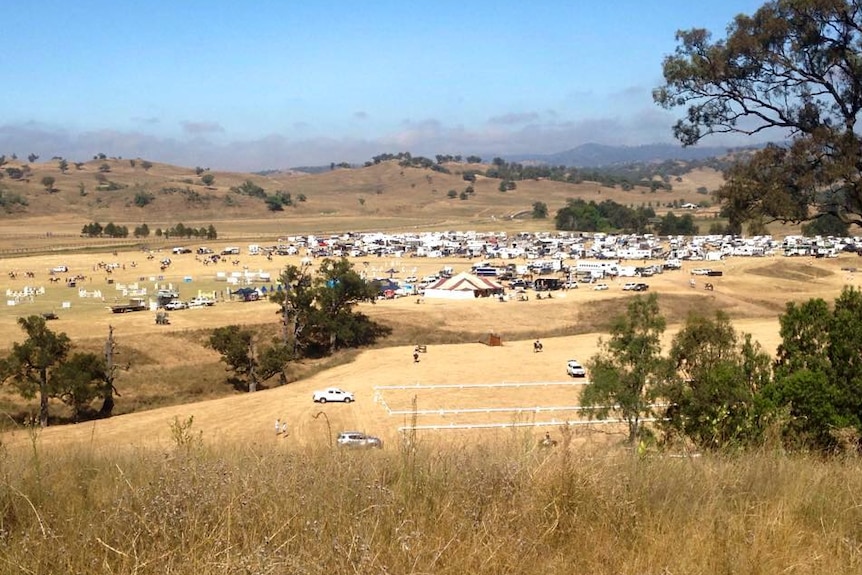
332, 394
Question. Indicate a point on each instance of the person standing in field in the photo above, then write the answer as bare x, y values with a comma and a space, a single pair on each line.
277, 426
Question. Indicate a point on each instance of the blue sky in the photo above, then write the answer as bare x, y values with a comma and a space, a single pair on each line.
276, 84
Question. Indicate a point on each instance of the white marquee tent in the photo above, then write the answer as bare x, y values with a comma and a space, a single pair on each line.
463, 286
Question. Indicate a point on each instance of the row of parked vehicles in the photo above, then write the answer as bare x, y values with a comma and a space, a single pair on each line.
192, 303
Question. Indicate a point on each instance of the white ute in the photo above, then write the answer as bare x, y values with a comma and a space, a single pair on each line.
575, 369
332, 394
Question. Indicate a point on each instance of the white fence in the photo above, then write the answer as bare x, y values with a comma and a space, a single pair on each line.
552, 423
379, 398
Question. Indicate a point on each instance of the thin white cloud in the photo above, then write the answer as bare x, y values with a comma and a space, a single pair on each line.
151, 121
514, 119
196, 128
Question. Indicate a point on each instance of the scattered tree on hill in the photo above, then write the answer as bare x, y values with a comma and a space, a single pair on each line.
249, 188
63, 165
10, 202
104, 167
143, 199
317, 312
540, 210
624, 375
208, 179
146, 165
78, 381
251, 363
30, 365
32, 158
793, 66
48, 182
15, 173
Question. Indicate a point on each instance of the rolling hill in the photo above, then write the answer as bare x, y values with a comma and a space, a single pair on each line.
385, 195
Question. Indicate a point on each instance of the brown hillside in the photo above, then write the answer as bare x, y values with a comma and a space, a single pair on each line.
383, 196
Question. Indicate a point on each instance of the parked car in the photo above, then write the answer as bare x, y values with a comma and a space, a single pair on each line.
332, 394
176, 304
600, 287
630, 286
358, 439
575, 369
641, 287
201, 302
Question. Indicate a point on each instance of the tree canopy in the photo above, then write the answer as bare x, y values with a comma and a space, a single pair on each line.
317, 310
628, 366
795, 67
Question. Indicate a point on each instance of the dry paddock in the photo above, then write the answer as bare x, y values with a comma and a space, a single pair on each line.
752, 290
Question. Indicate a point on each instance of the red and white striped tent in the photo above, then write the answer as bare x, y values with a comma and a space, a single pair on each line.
463, 286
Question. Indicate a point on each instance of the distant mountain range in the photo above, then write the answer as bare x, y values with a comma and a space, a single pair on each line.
599, 155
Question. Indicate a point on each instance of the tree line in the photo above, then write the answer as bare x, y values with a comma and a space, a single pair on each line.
718, 389
111, 230
608, 215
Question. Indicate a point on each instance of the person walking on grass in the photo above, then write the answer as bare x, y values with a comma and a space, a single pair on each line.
278, 426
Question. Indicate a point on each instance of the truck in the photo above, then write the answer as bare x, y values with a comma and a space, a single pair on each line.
135, 304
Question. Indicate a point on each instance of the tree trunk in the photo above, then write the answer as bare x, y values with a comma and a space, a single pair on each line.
108, 386
43, 398
634, 425
252, 370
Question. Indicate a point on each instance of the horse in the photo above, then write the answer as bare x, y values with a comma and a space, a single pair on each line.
537, 346
709, 287
547, 442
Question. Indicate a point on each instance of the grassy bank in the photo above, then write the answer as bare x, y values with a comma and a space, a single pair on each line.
505, 507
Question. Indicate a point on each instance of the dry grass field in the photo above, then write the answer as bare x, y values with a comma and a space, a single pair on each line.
753, 291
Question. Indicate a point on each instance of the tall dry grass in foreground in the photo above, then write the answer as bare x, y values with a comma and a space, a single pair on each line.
501, 508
